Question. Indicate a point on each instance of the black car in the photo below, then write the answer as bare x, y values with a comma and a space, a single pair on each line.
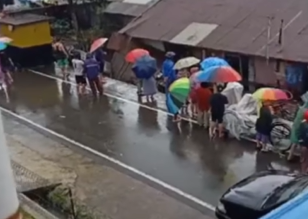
259, 194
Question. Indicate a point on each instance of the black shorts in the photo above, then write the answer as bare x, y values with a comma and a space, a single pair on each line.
101, 66
217, 117
80, 79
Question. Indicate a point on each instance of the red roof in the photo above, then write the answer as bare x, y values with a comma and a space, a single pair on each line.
242, 25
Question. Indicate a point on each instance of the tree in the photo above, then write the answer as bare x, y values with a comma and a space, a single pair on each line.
84, 37
9, 204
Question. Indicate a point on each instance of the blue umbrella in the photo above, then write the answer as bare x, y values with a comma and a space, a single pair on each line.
145, 67
213, 61
2, 46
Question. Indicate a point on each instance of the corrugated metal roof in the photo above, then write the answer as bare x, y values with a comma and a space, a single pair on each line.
128, 8
125, 9
193, 34
242, 25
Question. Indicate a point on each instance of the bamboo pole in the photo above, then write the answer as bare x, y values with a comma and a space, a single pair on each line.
9, 204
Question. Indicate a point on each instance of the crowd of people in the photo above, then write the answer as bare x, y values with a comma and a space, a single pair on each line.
85, 71
205, 103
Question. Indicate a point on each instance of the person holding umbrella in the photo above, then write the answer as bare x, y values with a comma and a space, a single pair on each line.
265, 96
99, 54
168, 70
145, 68
215, 75
92, 71
176, 97
131, 58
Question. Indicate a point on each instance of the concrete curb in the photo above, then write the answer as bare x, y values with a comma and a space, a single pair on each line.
34, 209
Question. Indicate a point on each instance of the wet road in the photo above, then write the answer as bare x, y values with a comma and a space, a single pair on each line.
144, 139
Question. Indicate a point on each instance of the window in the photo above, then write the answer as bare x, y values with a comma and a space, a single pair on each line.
286, 192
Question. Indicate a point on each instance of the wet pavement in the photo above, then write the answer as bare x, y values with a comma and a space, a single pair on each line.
99, 190
140, 136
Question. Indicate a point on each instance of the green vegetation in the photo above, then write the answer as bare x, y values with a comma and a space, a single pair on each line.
26, 215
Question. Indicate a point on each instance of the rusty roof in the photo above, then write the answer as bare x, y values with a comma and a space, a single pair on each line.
22, 19
241, 25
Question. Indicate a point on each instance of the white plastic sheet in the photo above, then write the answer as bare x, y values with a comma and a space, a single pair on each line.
240, 115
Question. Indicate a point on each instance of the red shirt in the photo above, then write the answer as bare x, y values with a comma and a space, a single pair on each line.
203, 96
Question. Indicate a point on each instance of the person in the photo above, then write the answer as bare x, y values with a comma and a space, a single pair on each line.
149, 88
100, 57
61, 55
295, 129
78, 69
92, 71
217, 110
203, 95
139, 84
7, 66
168, 71
303, 141
264, 127
192, 94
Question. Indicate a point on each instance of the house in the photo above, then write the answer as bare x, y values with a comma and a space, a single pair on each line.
258, 38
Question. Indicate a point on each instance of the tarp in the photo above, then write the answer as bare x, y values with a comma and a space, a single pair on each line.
297, 208
240, 115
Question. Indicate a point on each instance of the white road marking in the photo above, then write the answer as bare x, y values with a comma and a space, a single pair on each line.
114, 161
110, 95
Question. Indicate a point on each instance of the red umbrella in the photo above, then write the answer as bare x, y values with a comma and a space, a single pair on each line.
97, 44
133, 55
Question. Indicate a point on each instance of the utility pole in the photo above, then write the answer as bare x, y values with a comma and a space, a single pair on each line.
9, 203
269, 26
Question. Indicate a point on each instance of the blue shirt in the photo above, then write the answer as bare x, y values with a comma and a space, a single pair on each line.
91, 68
168, 71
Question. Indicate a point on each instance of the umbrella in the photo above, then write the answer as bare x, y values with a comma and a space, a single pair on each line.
178, 93
3, 46
133, 55
218, 74
270, 94
186, 63
213, 61
6, 40
145, 67
97, 44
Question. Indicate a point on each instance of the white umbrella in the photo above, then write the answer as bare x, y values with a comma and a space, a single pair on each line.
186, 63
5, 40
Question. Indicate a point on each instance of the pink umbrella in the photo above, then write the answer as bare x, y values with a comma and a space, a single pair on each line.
5, 40
97, 44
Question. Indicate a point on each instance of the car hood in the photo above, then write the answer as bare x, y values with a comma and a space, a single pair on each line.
254, 190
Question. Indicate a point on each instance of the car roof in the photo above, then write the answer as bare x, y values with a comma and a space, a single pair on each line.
254, 190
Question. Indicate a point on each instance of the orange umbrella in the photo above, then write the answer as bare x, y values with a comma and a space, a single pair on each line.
133, 55
97, 44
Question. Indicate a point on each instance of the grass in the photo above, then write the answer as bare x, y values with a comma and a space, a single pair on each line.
26, 215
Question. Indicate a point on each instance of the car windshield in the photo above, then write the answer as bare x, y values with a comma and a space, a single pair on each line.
286, 192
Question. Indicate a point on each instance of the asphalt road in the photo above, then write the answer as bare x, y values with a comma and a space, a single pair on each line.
141, 136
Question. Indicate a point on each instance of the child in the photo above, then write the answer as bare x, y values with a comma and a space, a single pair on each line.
203, 95
264, 127
78, 70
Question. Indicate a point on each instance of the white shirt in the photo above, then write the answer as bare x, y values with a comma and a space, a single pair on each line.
78, 67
